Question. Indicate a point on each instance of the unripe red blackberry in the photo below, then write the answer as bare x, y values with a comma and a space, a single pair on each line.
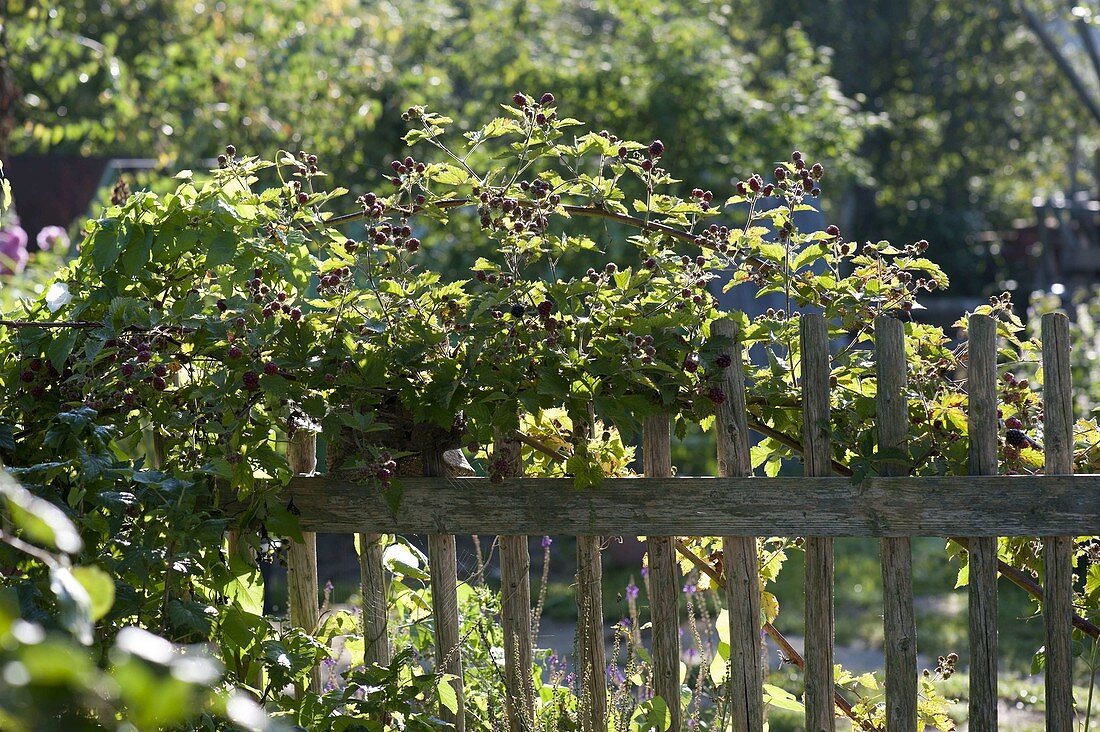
651, 263
1014, 423
271, 368
656, 148
817, 171
622, 151
222, 306
303, 198
381, 237
420, 199
540, 119
611, 268
234, 353
796, 156
696, 192
27, 376
412, 244
546, 99
519, 99
160, 370
545, 308
647, 165
741, 188
230, 150
251, 380
780, 173
691, 365
409, 162
159, 383
767, 190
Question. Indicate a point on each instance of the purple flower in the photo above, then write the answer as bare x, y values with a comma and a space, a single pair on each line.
13, 250
632, 591
328, 586
645, 572
689, 589
546, 542
625, 622
52, 237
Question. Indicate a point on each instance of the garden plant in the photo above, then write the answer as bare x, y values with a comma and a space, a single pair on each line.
147, 396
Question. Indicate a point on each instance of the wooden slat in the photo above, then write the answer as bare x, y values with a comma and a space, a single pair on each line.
900, 639
981, 384
664, 590
301, 560
820, 711
443, 568
376, 639
739, 552
783, 506
515, 607
591, 654
1058, 550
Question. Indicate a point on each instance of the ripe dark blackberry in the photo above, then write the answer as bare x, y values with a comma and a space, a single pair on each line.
656, 148
144, 356
716, 395
1019, 440
27, 376
545, 308
817, 171
519, 99
647, 165
159, 383
251, 380
222, 306
517, 311
160, 370
832, 230
723, 361
271, 368
691, 365
127, 370
412, 244
546, 99
234, 353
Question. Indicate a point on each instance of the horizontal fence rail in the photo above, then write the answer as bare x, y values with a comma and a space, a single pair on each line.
781, 506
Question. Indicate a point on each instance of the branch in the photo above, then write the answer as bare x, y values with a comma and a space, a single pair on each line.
1085, 31
1059, 58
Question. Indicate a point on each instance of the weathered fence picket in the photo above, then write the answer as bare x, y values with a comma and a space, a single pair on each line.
739, 552
817, 462
301, 558
664, 589
1058, 550
891, 506
515, 606
443, 570
900, 639
981, 387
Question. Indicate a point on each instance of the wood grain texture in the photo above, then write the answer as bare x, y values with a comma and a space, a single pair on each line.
981, 386
376, 638
816, 458
591, 653
664, 589
515, 607
301, 559
739, 553
443, 569
1058, 550
900, 636
783, 506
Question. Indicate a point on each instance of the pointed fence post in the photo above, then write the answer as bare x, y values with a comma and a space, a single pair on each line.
739, 553
1058, 550
897, 555
981, 386
817, 462
301, 561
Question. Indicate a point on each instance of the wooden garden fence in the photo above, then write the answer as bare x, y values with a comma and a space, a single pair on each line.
974, 510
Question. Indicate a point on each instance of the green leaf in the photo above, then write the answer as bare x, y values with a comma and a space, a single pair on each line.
447, 696
74, 605
38, 520
100, 588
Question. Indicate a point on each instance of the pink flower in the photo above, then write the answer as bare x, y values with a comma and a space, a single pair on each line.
52, 237
13, 250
